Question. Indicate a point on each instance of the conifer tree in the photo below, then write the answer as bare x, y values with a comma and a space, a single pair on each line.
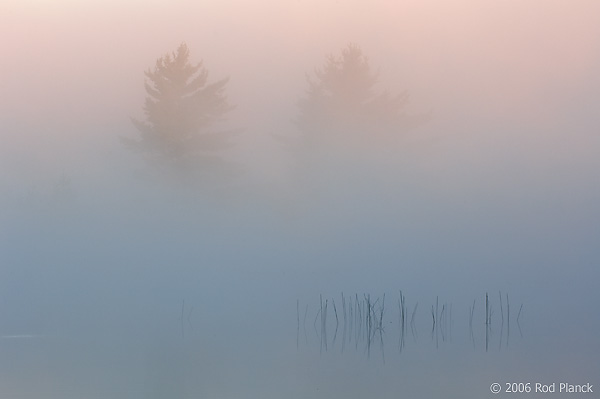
342, 105
181, 110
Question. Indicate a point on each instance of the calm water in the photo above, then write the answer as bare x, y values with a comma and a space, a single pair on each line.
171, 298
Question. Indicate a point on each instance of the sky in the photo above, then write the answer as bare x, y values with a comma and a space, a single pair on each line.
512, 88
73, 70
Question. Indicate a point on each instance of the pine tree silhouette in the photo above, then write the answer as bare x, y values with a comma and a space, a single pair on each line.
342, 105
181, 109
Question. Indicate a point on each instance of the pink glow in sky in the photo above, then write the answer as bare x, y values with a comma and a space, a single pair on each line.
73, 68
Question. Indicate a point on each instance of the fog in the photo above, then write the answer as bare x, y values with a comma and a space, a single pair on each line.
131, 273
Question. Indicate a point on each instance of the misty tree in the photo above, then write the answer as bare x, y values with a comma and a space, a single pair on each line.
181, 111
342, 105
